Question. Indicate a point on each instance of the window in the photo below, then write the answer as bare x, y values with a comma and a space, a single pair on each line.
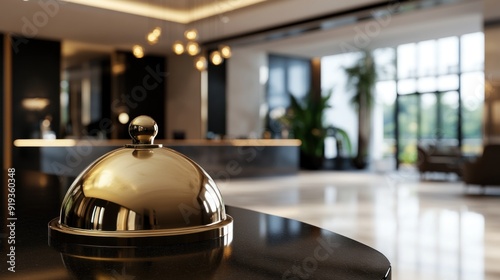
287, 75
341, 114
445, 77
437, 87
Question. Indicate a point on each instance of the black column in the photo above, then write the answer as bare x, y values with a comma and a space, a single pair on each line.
36, 71
216, 122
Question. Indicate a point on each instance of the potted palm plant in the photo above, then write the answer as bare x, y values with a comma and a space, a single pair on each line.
361, 78
305, 119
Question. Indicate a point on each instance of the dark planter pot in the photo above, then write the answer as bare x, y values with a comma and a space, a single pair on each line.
343, 163
360, 162
310, 162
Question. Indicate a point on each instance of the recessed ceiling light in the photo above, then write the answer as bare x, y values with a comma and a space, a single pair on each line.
142, 8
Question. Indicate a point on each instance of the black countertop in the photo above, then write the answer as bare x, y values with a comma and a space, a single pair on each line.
220, 158
262, 247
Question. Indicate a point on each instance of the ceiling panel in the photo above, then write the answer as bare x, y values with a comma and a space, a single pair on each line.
109, 29
103, 26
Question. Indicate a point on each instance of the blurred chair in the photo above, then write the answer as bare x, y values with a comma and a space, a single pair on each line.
439, 158
484, 170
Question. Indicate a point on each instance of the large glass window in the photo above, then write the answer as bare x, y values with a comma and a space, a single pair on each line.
385, 102
407, 61
429, 116
287, 75
436, 86
341, 113
448, 55
472, 52
472, 89
427, 58
386, 97
443, 80
408, 128
449, 118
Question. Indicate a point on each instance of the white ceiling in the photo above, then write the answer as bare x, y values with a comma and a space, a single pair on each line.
101, 29
91, 25
444, 21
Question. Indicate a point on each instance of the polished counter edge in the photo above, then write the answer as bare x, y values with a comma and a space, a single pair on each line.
26, 143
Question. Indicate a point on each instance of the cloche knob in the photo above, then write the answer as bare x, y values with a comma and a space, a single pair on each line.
143, 130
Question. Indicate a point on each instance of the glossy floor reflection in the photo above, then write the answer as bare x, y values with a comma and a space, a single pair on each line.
427, 229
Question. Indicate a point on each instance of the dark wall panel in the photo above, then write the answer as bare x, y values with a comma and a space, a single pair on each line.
141, 90
106, 89
35, 74
217, 98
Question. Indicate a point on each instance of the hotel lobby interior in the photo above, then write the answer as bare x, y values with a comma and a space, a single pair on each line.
267, 97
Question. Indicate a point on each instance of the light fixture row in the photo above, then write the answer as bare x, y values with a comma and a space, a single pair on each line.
152, 38
192, 48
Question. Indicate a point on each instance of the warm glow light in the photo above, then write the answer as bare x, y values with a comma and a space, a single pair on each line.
138, 51
225, 51
192, 48
156, 31
178, 47
153, 36
44, 143
35, 104
118, 68
216, 58
143, 8
46, 123
191, 34
123, 118
200, 63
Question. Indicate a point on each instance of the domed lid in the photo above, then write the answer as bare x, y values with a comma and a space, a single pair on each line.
141, 194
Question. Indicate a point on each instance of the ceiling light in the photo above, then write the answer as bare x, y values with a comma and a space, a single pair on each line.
200, 63
138, 51
191, 34
193, 48
178, 47
157, 31
216, 58
153, 36
225, 51
143, 8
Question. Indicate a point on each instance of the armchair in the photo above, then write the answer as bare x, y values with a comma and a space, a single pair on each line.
446, 159
484, 171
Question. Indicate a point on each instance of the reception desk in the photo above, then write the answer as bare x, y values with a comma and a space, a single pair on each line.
222, 159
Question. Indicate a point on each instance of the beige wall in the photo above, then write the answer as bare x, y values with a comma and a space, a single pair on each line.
246, 93
245, 96
184, 99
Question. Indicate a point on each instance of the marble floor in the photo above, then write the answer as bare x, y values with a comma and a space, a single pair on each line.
432, 229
